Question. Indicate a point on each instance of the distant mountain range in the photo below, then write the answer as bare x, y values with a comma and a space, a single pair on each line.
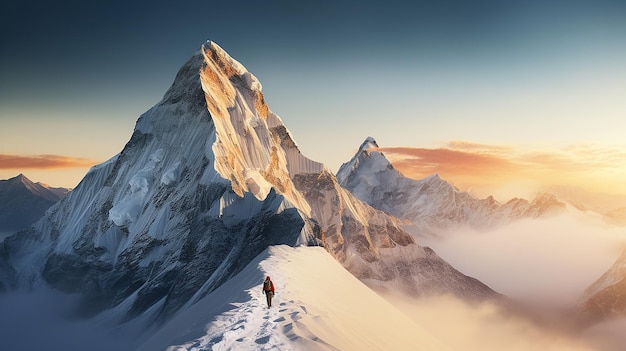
431, 204
23, 202
611, 206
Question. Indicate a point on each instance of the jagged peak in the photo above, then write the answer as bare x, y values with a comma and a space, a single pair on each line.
41, 190
22, 179
221, 76
209, 74
369, 143
433, 178
545, 197
231, 66
367, 154
436, 181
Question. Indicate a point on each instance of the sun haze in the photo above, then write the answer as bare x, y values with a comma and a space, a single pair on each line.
507, 171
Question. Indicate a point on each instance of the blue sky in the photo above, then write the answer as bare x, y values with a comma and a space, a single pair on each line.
540, 74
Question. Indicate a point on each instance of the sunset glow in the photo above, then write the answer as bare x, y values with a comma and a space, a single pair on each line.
205, 145
515, 171
42, 162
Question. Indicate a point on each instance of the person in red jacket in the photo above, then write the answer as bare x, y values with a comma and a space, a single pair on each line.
268, 289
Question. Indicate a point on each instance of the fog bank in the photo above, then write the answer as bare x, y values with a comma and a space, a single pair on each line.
490, 327
545, 263
43, 321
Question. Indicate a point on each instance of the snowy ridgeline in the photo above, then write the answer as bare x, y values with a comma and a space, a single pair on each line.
318, 306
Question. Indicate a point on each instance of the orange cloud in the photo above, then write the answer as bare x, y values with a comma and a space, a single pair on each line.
445, 160
486, 168
470, 146
44, 162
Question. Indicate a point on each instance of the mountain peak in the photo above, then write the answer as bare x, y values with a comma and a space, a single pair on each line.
433, 178
364, 158
369, 143
21, 180
230, 65
40, 190
22, 202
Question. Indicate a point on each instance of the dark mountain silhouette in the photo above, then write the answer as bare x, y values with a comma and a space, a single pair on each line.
23, 202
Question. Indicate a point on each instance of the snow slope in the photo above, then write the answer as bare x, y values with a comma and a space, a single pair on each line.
318, 306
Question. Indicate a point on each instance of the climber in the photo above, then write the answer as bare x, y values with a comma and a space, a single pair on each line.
268, 289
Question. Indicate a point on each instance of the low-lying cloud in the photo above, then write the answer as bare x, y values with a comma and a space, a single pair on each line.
544, 263
44, 162
42, 321
491, 327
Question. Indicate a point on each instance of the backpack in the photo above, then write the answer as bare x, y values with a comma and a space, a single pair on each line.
267, 285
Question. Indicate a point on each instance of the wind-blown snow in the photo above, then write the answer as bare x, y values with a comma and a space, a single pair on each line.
171, 175
128, 209
318, 306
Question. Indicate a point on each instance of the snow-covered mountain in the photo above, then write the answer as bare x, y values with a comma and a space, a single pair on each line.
605, 299
22, 202
209, 180
432, 203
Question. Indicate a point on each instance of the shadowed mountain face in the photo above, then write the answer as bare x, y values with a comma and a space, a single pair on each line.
22, 202
209, 179
605, 299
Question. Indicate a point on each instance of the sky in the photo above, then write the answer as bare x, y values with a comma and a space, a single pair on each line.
491, 95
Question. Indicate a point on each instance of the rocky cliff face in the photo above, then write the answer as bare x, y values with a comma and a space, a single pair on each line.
375, 248
209, 179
